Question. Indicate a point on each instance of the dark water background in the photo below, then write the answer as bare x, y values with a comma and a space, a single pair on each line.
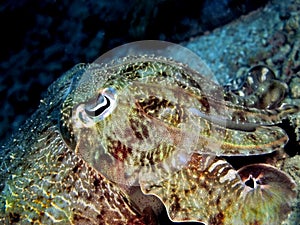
40, 40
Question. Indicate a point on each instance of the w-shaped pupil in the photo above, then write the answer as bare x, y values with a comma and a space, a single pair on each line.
103, 103
250, 182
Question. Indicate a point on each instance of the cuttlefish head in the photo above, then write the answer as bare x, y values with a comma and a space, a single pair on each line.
138, 112
139, 120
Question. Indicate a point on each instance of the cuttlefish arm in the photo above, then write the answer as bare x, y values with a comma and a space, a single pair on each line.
214, 126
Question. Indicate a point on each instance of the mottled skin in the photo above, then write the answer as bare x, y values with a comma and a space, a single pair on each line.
44, 182
169, 126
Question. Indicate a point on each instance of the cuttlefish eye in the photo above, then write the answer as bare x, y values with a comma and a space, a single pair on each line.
96, 109
102, 103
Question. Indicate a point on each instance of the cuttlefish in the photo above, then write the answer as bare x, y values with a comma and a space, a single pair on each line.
145, 127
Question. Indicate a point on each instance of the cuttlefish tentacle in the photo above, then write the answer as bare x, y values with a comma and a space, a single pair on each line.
256, 194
